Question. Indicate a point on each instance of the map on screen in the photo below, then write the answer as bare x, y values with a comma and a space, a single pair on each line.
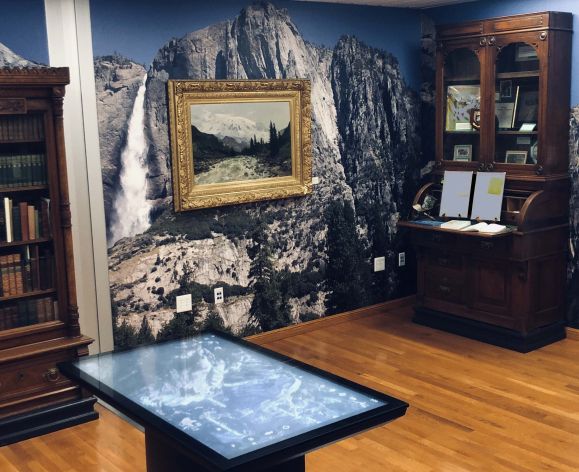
231, 398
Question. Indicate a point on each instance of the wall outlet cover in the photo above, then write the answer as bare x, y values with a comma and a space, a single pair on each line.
218, 295
184, 303
315, 180
379, 264
401, 259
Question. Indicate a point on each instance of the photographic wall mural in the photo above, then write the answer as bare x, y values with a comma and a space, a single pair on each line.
280, 262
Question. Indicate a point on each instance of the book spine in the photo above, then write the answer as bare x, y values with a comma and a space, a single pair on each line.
16, 228
8, 218
31, 222
24, 221
5, 276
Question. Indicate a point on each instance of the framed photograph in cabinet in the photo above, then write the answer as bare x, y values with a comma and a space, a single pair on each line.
462, 153
516, 157
460, 101
239, 141
506, 89
527, 106
525, 52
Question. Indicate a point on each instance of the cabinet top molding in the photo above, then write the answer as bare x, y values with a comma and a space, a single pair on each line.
508, 24
34, 75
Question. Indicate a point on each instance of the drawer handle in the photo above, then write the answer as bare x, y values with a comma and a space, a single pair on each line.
52, 375
20, 377
486, 245
444, 289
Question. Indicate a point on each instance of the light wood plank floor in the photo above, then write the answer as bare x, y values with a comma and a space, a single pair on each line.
473, 407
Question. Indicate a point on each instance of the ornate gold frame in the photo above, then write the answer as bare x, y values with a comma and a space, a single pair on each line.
183, 93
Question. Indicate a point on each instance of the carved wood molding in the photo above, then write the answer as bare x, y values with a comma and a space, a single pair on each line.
65, 215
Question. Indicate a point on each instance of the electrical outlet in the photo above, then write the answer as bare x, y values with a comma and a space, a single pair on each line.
379, 264
401, 259
184, 303
315, 180
218, 295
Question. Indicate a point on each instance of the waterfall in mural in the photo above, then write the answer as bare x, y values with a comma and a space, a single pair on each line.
131, 209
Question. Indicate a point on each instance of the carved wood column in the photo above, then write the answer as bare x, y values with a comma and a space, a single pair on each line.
65, 215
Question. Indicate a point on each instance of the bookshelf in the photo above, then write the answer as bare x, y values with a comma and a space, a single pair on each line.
38, 313
513, 74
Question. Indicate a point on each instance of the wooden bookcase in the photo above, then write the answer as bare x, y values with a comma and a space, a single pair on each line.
493, 76
38, 312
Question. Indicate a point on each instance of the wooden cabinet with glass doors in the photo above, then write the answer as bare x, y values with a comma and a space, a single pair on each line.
502, 105
38, 313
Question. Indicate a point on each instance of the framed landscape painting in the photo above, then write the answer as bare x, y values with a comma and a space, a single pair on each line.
239, 141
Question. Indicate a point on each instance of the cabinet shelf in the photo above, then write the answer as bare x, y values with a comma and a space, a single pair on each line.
36, 293
473, 132
29, 188
25, 243
21, 141
517, 133
518, 75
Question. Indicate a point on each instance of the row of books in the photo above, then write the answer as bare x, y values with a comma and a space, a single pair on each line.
24, 221
23, 170
28, 312
27, 272
21, 128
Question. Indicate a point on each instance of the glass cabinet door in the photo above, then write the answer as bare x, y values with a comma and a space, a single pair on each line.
462, 91
517, 105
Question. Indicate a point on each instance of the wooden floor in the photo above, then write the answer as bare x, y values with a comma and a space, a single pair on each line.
472, 406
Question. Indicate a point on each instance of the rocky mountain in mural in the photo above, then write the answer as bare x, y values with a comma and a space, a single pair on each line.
9, 58
573, 266
365, 147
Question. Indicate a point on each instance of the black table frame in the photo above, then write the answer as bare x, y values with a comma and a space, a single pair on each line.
191, 454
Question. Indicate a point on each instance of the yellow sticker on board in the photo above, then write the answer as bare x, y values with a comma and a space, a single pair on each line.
495, 186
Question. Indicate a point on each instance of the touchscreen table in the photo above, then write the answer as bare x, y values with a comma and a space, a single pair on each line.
215, 402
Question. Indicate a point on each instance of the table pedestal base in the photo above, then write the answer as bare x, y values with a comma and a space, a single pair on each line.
164, 455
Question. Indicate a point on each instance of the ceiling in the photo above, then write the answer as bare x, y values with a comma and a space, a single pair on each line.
397, 3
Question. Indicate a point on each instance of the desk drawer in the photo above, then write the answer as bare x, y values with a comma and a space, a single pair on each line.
444, 262
444, 287
435, 238
491, 247
23, 377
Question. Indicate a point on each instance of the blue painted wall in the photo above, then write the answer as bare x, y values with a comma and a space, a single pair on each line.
492, 8
23, 29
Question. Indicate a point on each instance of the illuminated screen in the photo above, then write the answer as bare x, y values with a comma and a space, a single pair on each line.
228, 396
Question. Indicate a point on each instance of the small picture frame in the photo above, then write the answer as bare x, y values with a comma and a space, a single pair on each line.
516, 157
475, 118
506, 89
525, 52
462, 153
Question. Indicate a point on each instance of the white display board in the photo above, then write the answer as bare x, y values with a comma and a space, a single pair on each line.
488, 196
455, 194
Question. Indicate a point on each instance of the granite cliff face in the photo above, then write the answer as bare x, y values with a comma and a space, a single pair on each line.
573, 266
365, 147
117, 81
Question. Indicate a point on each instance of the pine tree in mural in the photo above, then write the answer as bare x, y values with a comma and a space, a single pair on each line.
270, 307
124, 335
181, 325
346, 274
145, 334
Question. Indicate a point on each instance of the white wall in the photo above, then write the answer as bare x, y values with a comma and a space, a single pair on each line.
70, 45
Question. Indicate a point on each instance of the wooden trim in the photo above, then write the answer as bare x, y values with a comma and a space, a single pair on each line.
573, 333
330, 320
31, 350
